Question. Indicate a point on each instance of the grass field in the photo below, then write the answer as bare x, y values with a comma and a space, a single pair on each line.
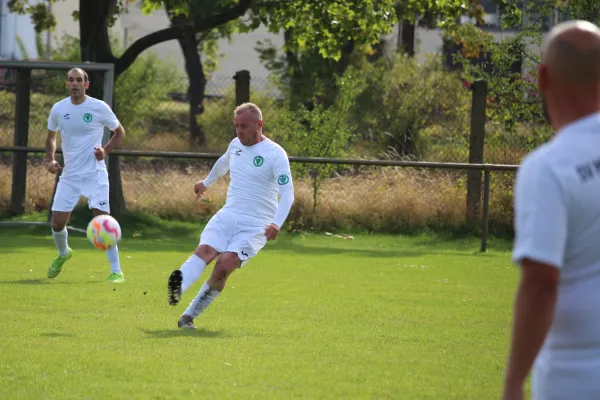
311, 316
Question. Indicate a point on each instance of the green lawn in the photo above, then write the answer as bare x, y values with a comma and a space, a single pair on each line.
310, 317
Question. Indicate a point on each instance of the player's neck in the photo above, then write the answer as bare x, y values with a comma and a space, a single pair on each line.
258, 140
78, 100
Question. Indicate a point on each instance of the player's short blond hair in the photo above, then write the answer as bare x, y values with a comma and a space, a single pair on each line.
253, 108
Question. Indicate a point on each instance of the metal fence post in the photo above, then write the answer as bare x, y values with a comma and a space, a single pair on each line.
486, 206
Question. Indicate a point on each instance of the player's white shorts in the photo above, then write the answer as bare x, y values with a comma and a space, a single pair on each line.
230, 232
70, 189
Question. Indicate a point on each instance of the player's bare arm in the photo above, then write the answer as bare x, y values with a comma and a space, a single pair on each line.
533, 314
114, 142
52, 165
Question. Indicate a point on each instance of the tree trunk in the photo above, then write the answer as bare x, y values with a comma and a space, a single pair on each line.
294, 70
408, 38
197, 80
94, 17
95, 47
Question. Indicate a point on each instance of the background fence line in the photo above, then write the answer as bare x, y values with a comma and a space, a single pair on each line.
158, 135
482, 167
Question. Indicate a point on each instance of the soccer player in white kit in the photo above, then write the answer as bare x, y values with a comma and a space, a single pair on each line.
260, 171
556, 327
80, 119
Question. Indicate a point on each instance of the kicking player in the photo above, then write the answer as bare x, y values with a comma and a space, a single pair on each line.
556, 328
80, 119
259, 170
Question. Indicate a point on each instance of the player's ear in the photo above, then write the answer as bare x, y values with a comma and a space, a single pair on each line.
87, 84
260, 123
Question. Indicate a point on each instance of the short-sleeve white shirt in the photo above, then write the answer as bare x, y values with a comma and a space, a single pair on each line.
81, 127
557, 222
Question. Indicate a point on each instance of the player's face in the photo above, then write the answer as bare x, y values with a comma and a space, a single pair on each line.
247, 127
76, 84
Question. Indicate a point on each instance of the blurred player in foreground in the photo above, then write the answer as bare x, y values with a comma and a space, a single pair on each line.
556, 327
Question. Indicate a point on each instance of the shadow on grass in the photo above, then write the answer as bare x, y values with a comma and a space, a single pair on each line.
178, 332
147, 233
45, 281
408, 251
58, 335
408, 248
35, 281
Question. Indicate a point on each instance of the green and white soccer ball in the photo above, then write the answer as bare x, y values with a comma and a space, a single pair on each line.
104, 232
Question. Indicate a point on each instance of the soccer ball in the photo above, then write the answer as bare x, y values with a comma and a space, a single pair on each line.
103, 232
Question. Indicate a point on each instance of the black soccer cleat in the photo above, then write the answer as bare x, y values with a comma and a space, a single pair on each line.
175, 287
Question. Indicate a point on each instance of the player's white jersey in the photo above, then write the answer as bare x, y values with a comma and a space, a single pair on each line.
258, 173
557, 207
81, 127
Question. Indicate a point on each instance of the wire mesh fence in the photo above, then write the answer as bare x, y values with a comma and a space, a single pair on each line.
370, 198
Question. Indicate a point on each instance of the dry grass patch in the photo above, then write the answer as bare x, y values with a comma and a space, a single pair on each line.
387, 200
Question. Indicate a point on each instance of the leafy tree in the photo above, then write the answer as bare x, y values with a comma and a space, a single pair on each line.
443, 14
321, 25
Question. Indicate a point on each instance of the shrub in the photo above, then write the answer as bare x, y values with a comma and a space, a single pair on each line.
414, 110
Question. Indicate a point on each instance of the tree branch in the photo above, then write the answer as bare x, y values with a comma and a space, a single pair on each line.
163, 35
143, 43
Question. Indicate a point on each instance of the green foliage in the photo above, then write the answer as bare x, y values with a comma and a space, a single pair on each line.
412, 108
142, 88
323, 132
323, 25
43, 20
514, 98
218, 118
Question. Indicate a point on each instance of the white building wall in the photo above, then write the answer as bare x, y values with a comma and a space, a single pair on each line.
13, 26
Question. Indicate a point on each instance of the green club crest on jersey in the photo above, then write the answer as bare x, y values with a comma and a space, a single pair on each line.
87, 117
283, 179
258, 161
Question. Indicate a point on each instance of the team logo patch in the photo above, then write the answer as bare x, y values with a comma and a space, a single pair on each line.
258, 161
283, 179
87, 117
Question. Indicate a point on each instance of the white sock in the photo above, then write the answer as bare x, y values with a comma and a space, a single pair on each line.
206, 296
60, 239
191, 270
113, 258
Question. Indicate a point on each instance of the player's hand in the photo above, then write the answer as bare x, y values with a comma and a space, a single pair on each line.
271, 231
199, 189
99, 153
54, 167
